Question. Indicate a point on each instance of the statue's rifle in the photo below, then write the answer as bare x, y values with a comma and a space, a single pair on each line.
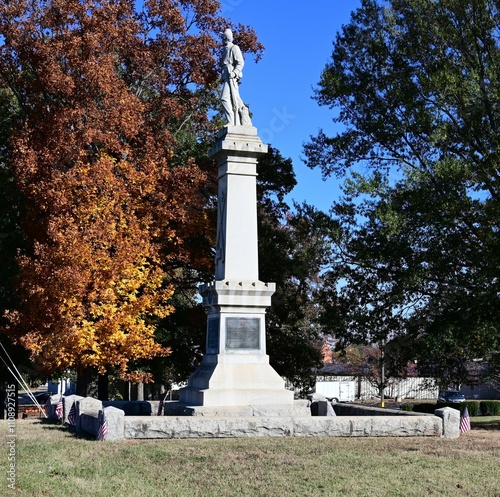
233, 84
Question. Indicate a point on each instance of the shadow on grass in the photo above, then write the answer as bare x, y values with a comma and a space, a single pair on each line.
490, 425
52, 426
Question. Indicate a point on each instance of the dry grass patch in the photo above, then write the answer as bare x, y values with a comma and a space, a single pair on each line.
53, 462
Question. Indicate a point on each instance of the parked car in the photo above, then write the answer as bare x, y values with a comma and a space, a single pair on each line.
451, 396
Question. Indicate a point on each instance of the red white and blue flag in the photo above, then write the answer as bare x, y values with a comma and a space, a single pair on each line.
103, 427
465, 421
59, 410
72, 415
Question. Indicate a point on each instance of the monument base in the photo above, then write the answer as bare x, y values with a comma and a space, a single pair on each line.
225, 380
299, 409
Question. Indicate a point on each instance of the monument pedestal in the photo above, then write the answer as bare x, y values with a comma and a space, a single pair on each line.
235, 369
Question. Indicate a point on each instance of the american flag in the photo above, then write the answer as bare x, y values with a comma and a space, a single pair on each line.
72, 415
103, 427
59, 410
465, 421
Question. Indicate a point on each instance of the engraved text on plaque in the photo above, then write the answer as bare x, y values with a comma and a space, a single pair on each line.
242, 333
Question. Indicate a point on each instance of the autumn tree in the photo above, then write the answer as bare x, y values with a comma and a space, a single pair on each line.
108, 94
11, 206
416, 86
326, 354
10, 240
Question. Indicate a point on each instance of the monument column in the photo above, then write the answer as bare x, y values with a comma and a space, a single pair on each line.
235, 369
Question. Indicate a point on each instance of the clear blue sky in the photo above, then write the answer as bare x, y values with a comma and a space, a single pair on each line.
298, 40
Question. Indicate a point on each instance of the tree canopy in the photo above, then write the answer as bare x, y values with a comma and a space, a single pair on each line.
417, 88
293, 250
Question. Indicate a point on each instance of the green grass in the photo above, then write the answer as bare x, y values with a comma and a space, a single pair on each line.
52, 462
485, 422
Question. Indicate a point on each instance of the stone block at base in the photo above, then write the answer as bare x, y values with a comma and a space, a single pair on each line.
207, 427
69, 402
451, 421
134, 407
298, 409
116, 423
84, 406
259, 426
88, 422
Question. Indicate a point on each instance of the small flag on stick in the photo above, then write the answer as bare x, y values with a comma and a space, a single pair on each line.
465, 421
59, 410
72, 415
103, 427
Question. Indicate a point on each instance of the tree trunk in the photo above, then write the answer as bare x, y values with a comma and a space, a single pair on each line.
83, 381
140, 391
103, 387
382, 376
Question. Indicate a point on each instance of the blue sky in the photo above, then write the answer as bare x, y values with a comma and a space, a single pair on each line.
298, 39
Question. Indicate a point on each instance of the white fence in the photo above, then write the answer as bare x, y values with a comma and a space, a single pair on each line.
407, 388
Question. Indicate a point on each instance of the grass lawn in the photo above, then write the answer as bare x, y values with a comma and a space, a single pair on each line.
52, 462
485, 422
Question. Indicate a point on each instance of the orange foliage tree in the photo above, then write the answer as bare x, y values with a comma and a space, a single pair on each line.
326, 354
108, 91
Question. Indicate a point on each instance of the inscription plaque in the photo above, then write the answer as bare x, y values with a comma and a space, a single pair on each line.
213, 335
242, 333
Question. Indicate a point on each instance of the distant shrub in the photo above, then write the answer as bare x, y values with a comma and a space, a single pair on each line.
460, 406
472, 406
407, 407
426, 408
490, 408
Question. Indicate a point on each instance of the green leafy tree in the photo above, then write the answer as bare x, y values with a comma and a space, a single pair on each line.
293, 249
417, 88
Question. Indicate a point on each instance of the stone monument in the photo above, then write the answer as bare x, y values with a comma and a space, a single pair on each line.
235, 369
